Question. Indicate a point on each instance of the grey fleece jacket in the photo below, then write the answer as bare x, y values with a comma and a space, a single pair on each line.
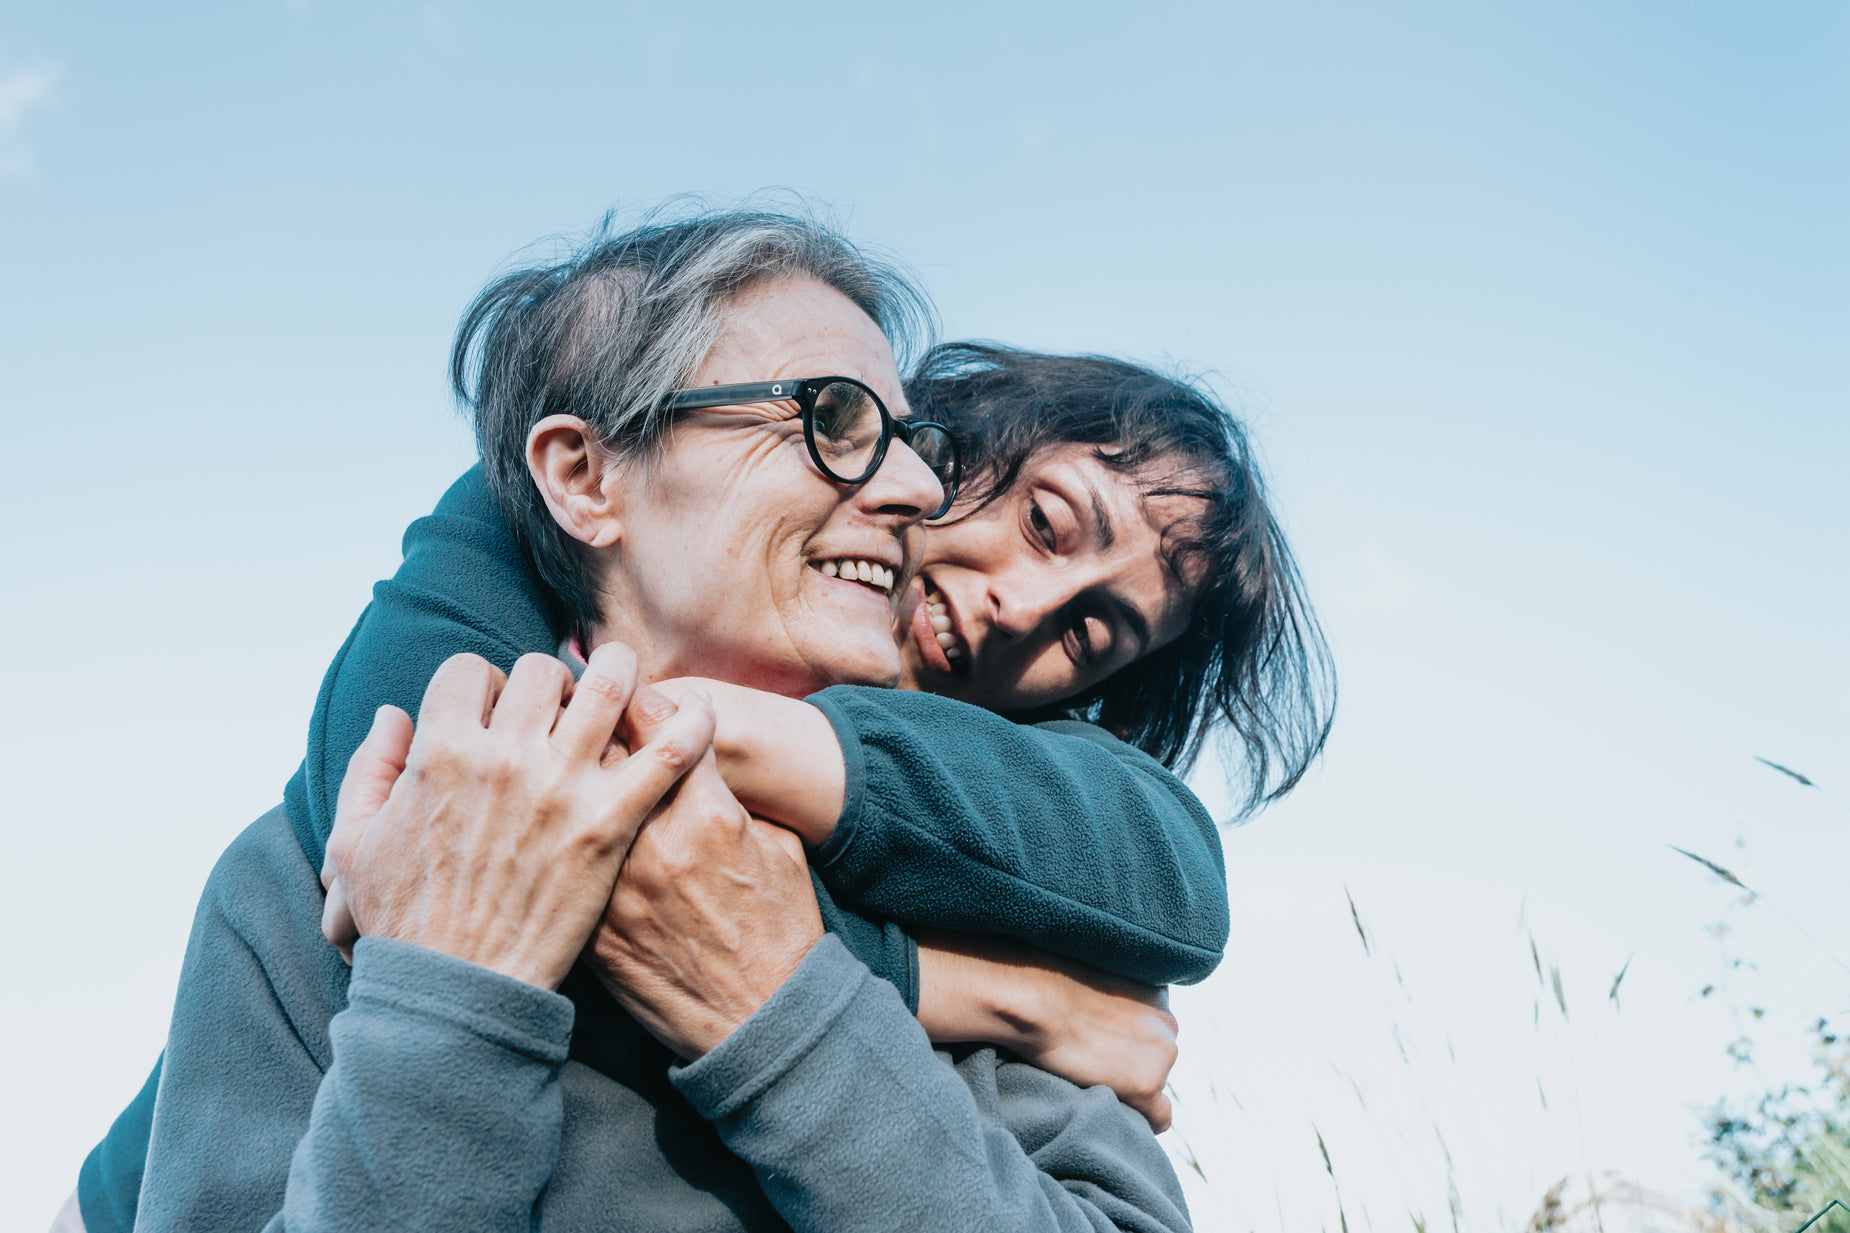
421, 1092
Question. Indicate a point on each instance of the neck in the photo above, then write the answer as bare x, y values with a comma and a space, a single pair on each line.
664, 659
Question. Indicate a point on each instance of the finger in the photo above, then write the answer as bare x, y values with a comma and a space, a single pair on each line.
639, 782
649, 709
337, 924
371, 772
531, 699
1160, 1114
702, 798
598, 702
463, 692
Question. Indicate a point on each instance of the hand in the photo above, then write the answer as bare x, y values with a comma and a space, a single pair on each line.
495, 833
779, 756
1088, 1027
713, 911
364, 789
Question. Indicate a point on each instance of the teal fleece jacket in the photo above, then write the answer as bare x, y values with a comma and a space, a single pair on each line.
416, 1091
1056, 834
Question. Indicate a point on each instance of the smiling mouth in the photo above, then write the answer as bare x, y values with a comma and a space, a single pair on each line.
936, 632
870, 574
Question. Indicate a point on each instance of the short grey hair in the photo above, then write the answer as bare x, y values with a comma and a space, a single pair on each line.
625, 318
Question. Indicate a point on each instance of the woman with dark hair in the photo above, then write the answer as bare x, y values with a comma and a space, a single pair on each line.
1052, 607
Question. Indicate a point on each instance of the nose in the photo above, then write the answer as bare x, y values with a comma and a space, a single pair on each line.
1023, 599
903, 485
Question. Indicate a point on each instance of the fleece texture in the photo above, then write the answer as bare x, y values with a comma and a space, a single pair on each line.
419, 1092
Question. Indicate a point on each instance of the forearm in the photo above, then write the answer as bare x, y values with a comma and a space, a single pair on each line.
940, 815
832, 1093
970, 991
1088, 1027
780, 756
1056, 835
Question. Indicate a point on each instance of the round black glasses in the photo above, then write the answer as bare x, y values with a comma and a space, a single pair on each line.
846, 427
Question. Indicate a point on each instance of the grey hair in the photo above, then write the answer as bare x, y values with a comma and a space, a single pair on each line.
623, 320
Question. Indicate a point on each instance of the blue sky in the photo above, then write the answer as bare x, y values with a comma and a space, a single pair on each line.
1540, 315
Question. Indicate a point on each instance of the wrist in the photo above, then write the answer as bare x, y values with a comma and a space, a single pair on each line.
705, 1025
783, 762
973, 989
779, 756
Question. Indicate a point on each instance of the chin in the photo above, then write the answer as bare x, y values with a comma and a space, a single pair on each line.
872, 666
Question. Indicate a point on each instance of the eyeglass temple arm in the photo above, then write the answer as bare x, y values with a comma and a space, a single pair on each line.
728, 395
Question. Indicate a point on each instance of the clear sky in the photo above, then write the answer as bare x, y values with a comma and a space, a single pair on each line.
1541, 314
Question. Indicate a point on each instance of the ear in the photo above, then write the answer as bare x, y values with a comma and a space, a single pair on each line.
577, 478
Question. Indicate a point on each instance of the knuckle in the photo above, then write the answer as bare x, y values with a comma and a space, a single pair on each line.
459, 670
541, 669
653, 706
676, 756
533, 661
602, 686
465, 662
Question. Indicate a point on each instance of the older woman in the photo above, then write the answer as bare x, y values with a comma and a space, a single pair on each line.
712, 553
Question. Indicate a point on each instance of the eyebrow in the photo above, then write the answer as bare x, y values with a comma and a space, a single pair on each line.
1101, 518
1107, 535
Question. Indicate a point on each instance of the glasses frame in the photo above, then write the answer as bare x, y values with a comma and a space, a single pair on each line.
804, 392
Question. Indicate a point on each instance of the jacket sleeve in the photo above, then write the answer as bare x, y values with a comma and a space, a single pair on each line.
1057, 834
431, 1100
850, 1121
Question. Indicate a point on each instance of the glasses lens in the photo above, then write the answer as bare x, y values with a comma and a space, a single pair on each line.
847, 429
933, 444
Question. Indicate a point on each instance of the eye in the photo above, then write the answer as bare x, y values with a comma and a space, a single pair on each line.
846, 419
1042, 527
1088, 637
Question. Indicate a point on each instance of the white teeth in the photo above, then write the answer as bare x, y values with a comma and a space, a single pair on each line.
940, 615
878, 576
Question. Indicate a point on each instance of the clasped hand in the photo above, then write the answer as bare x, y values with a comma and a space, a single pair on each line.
517, 830
497, 831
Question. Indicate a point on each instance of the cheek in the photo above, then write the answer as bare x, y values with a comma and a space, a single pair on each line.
1054, 679
978, 543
